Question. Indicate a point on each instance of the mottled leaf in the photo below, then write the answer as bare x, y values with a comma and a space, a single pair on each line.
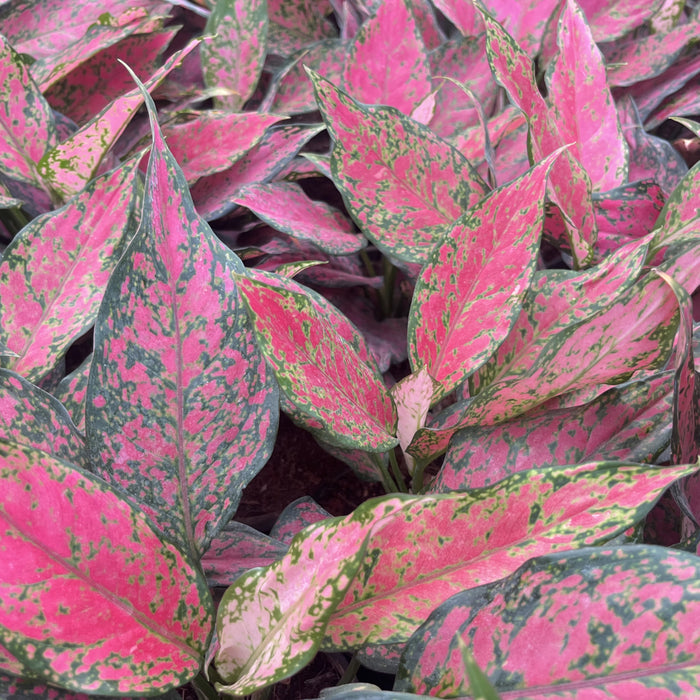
581, 103
233, 55
439, 545
608, 622
387, 63
33, 418
611, 19
72, 163
236, 549
402, 184
526, 24
631, 423
469, 293
329, 384
54, 273
294, 24
271, 621
462, 14
92, 599
213, 196
181, 410
71, 392
191, 135
27, 127
286, 207
295, 517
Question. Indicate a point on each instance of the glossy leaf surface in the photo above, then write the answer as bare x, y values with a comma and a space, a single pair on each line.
232, 58
607, 622
181, 408
403, 185
469, 293
439, 545
77, 552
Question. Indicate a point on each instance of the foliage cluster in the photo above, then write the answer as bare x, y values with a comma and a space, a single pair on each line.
441, 237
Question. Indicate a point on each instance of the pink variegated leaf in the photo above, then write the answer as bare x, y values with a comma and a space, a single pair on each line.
27, 126
526, 25
463, 15
71, 392
331, 388
470, 291
403, 185
667, 16
286, 207
233, 55
45, 28
295, 517
556, 300
54, 273
72, 163
650, 156
640, 58
98, 80
630, 423
235, 550
191, 134
271, 621
635, 332
292, 92
366, 466
33, 418
685, 101
413, 396
213, 195
581, 103
181, 410
294, 24
80, 554
570, 186
589, 613
388, 63
610, 20
438, 545
98, 37
465, 62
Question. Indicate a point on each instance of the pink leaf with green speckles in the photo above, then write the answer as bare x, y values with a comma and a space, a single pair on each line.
469, 293
294, 24
191, 135
570, 185
71, 392
73, 162
27, 127
631, 423
634, 332
439, 545
295, 517
463, 15
92, 599
606, 622
286, 207
33, 418
271, 621
181, 409
610, 20
235, 550
388, 63
331, 388
54, 273
581, 103
403, 185
527, 24
213, 195
233, 55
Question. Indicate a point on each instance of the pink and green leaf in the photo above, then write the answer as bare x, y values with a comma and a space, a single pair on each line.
469, 294
71, 392
439, 545
591, 614
294, 24
581, 104
271, 621
332, 389
610, 20
527, 24
285, 206
387, 63
181, 410
403, 185
80, 553
295, 517
233, 55
54, 273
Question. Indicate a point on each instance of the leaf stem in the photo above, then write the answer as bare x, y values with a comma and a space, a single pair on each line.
418, 472
396, 470
387, 295
387, 481
350, 671
367, 262
203, 689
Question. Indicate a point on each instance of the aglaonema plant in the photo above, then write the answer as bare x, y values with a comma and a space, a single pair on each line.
520, 443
